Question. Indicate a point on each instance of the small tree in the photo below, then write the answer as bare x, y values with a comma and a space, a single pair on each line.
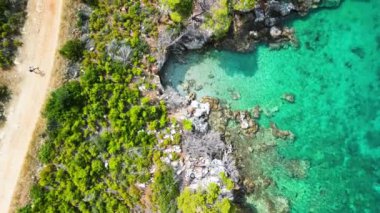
73, 50
5, 95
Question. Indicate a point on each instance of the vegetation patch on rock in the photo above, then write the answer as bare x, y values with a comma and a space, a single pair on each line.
244, 5
179, 9
218, 19
204, 201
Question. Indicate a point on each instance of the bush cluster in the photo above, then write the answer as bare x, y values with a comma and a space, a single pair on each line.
12, 17
204, 201
244, 5
179, 9
5, 95
73, 50
98, 150
219, 19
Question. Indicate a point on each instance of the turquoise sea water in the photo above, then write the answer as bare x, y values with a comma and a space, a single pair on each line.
335, 77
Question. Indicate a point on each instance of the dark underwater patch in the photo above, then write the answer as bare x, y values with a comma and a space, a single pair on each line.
373, 138
358, 51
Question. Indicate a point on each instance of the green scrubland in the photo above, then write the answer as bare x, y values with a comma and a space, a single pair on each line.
103, 132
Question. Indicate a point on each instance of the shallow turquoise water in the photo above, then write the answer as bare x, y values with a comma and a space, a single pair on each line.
335, 76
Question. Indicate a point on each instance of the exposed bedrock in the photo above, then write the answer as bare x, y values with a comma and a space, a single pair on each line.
205, 154
262, 23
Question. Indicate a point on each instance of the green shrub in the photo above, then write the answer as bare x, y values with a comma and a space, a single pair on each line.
73, 50
5, 96
91, 2
165, 190
64, 100
45, 154
180, 9
187, 125
244, 5
176, 17
12, 17
219, 19
226, 181
204, 201
25, 209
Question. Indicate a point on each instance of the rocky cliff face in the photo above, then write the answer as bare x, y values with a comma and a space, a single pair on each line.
262, 23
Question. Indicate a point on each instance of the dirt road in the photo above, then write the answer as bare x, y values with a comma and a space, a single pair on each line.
40, 38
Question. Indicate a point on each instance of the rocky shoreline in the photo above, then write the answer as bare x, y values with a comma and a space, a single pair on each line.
262, 24
217, 144
208, 150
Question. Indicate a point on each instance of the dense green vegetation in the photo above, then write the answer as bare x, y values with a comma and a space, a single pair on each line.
244, 5
165, 190
204, 201
98, 151
12, 16
73, 50
179, 9
5, 95
219, 19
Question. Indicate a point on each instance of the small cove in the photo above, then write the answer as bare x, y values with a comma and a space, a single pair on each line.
335, 77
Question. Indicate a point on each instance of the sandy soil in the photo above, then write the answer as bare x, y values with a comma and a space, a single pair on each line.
40, 38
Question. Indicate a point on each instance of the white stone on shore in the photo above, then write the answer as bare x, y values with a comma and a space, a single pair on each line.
275, 32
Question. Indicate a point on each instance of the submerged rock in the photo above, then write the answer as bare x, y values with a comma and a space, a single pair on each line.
256, 112
198, 87
283, 134
235, 95
214, 102
298, 168
289, 97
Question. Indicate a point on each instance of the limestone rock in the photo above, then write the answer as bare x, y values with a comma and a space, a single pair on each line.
282, 8
213, 102
275, 32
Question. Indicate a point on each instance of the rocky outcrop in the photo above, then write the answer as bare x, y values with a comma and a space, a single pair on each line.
204, 153
261, 23
206, 156
193, 38
247, 124
198, 114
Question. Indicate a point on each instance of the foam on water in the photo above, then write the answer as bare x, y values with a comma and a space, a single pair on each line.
335, 77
